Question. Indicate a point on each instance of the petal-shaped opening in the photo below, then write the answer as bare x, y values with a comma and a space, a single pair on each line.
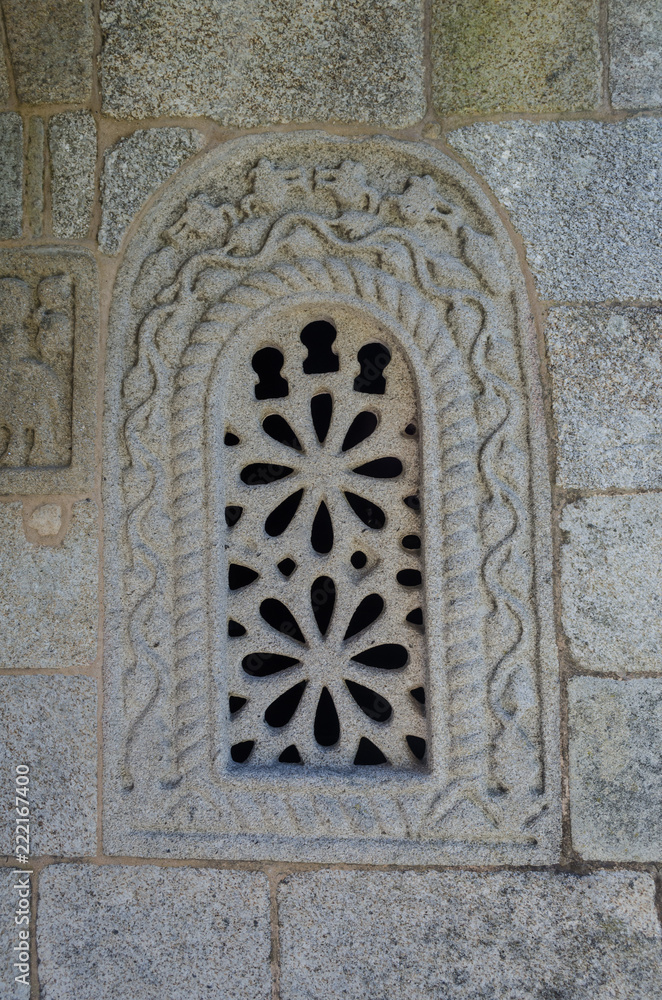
360, 428
368, 512
321, 535
387, 656
265, 664
368, 611
240, 752
322, 601
327, 724
417, 746
281, 517
281, 710
380, 468
415, 617
321, 411
372, 704
276, 614
277, 427
235, 629
240, 576
264, 473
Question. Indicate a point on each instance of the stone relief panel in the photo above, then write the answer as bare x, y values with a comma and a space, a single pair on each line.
48, 344
328, 567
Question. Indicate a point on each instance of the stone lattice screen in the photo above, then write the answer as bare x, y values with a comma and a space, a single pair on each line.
330, 472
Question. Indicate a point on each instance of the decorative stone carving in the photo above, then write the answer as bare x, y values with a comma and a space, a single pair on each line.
270, 283
48, 345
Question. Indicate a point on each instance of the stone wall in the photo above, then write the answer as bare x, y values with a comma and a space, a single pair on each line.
536, 134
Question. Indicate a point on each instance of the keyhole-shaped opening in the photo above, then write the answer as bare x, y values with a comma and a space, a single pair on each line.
267, 364
373, 359
318, 338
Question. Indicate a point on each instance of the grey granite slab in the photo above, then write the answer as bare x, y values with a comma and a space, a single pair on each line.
11, 175
72, 143
16, 906
635, 50
50, 725
158, 932
616, 768
349, 935
585, 196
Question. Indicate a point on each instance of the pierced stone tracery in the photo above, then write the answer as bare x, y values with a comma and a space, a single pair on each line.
325, 564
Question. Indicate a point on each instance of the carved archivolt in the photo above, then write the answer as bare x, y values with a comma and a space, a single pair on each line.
389, 240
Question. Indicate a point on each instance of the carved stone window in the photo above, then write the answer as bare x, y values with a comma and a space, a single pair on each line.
326, 652
327, 519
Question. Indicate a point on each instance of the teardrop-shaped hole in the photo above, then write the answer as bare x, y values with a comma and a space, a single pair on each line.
321, 411
264, 473
267, 364
283, 708
232, 514
236, 703
240, 752
368, 512
327, 725
360, 428
409, 577
278, 428
418, 694
281, 517
290, 755
387, 656
413, 502
318, 337
366, 613
368, 753
322, 601
417, 746
374, 705
380, 468
230, 439
415, 617
373, 359
235, 629
240, 576
281, 618
321, 535
410, 430
266, 664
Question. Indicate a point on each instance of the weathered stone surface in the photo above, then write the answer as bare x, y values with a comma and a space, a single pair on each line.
34, 181
635, 49
490, 56
11, 175
272, 232
50, 724
48, 371
4, 75
48, 596
267, 61
133, 169
612, 582
616, 768
11, 935
606, 370
175, 933
348, 935
72, 141
51, 43
585, 197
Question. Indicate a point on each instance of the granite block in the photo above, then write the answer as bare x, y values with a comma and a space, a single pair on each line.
4, 75
34, 180
606, 372
13, 936
51, 43
635, 49
50, 724
615, 732
72, 142
515, 56
348, 935
159, 932
11, 175
133, 169
266, 61
48, 594
585, 197
611, 573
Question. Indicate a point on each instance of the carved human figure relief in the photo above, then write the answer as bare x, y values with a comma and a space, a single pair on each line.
327, 562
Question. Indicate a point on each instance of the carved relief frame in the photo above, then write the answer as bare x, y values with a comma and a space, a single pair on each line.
253, 232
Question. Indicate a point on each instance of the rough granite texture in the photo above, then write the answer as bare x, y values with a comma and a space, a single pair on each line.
585, 196
162, 932
616, 768
606, 372
50, 724
265, 61
133, 169
349, 935
72, 142
611, 572
34, 180
11, 175
4, 76
51, 43
635, 49
9, 935
48, 596
491, 56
